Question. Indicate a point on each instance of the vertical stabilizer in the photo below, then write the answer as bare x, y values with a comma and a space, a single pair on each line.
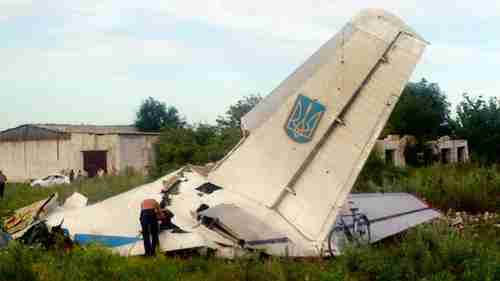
309, 139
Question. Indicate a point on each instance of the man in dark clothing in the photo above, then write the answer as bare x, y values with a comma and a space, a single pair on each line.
150, 214
3, 180
71, 175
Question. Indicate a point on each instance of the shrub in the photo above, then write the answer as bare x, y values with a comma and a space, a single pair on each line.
467, 187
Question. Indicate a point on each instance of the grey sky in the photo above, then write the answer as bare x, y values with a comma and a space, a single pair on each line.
93, 61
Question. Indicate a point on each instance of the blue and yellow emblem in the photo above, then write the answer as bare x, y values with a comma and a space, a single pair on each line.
304, 119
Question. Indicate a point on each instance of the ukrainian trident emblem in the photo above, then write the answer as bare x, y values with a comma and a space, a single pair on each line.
304, 119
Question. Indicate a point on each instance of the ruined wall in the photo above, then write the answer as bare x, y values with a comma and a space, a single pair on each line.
394, 147
450, 151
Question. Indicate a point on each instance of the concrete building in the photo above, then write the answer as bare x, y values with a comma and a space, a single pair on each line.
444, 150
36, 150
450, 151
392, 149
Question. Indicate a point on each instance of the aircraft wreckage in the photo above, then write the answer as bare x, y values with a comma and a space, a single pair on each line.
285, 188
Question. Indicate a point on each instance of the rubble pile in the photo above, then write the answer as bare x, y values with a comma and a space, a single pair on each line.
459, 220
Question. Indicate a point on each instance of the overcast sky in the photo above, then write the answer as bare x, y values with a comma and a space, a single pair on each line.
94, 61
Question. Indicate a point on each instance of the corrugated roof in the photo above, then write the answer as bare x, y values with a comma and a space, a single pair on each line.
62, 131
31, 133
95, 129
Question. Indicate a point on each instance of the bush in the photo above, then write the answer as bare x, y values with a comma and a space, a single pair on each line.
465, 187
429, 252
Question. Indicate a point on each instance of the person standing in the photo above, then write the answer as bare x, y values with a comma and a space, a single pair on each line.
150, 214
3, 180
71, 175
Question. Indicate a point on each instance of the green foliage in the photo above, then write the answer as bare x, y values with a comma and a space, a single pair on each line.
478, 121
154, 115
429, 252
421, 111
176, 147
194, 145
16, 263
202, 143
375, 174
466, 187
232, 119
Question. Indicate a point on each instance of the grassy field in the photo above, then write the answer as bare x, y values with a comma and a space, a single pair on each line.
429, 252
465, 187
96, 189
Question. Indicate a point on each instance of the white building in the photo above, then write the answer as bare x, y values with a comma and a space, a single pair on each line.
36, 150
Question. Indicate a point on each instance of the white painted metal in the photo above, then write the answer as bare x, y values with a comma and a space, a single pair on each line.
358, 76
264, 165
75, 201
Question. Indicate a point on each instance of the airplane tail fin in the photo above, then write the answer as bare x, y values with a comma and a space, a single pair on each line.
308, 140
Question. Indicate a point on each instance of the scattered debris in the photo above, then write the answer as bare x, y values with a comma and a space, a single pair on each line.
49, 237
282, 189
208, 188
460, 220
75, 201
22, 219
170, 184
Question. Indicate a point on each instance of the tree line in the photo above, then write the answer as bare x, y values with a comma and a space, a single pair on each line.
422, 111
181, 143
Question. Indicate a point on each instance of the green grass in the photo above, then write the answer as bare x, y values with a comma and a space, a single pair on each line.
96, 189
430, 252
465, 187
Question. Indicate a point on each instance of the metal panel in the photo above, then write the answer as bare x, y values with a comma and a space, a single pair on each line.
338, 164
360, 81
391, 213
332, 85
245, 225
268, 106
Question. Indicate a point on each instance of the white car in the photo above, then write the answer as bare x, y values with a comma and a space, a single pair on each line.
50, 180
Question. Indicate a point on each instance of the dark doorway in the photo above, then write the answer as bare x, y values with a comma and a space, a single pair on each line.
93, 161
389, 156
445, 155
461, 154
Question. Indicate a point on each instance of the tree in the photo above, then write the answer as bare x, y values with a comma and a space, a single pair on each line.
232, 119
478, 121
176, 147
154, 115
201, 143
422, 111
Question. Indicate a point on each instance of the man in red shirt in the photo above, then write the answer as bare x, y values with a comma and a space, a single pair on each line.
150, 214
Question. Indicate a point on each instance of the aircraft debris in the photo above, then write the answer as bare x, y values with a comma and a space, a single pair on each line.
75, 201
285, 188
22, 219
